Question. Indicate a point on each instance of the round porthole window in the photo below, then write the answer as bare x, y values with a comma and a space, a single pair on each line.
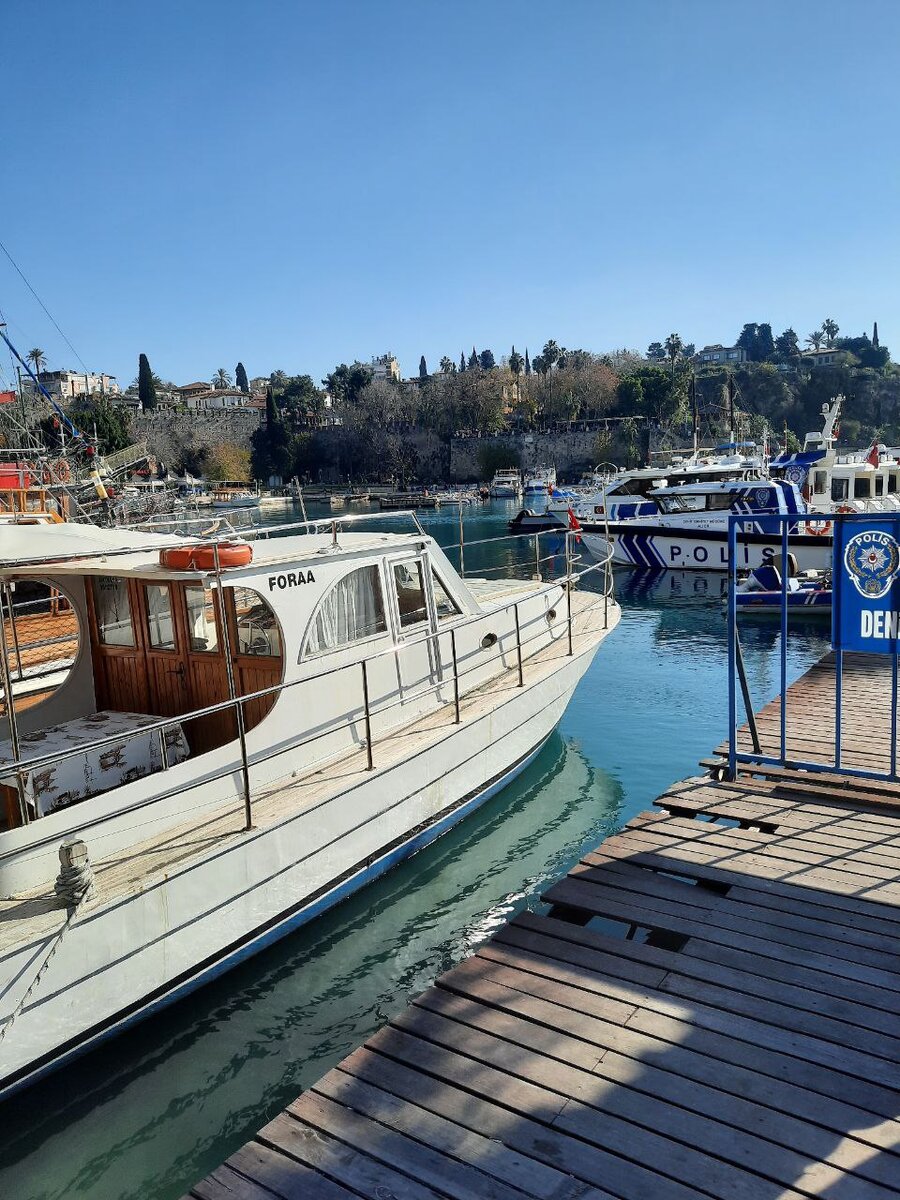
41, 634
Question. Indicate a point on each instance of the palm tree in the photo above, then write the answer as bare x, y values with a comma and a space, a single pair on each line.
38, 360
221, 379
448, 366
674, 349
831, 329
815, 338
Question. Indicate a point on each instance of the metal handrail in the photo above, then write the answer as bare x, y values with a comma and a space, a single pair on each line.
283, 748
17, 765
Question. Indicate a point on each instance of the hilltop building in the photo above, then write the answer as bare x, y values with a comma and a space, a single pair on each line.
67, 385
386, 367
718, 355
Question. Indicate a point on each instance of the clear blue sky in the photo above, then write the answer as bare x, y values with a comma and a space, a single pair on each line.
297, 184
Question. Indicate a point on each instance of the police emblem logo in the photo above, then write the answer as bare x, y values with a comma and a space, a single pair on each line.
795, 474
761, 496
872, 560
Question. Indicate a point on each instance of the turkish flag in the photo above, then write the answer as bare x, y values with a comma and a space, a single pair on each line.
872, 456
574, 524
7, 397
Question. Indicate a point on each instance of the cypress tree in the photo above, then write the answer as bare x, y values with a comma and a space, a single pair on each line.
462, 361
241, 380
875, 341
423, 369
527, 362
146, 386
473, 360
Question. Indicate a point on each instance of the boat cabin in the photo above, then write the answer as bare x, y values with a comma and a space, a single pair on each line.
124, 659
730, 496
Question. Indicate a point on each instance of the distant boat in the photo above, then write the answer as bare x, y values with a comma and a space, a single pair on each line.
232, 500
506, 484
539, 481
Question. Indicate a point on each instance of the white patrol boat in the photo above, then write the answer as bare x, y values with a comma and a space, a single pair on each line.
689, 528
209, 743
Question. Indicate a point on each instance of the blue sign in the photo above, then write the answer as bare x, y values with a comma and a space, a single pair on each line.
866, 583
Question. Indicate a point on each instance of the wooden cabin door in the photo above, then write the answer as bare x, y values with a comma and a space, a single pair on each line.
168, 681
117, 644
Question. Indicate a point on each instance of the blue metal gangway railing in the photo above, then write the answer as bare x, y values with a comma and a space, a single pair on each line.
775, 538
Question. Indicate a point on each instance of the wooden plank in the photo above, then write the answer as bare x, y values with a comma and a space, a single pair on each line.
749, 976
874, 947
257, 1172
351, 1168
602, 901
518, 1131
424, 1163
737, 874
464, 1053
571, 989
523, 1175
639, 1085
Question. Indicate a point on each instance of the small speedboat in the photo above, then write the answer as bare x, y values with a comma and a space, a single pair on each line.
762, 592
529, 521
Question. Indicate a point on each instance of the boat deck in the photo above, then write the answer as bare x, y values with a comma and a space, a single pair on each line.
35, 914
708, 1007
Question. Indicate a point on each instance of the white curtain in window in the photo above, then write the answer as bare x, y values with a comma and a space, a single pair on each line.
352, 610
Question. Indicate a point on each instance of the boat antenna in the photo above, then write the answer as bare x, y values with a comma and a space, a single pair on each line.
730, 390
692, 392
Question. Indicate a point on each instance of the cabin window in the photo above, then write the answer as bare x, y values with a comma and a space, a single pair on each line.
201, 619
879, 485
410, 593
892, 483
820, 481
861, 488
721, 501
444, 604
352, 611
114, 626
256, 624
159, 616
840, 489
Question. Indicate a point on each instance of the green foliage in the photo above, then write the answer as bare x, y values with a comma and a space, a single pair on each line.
448, 366
868, 354
527, 362
486, 360
111, 422
493, 458
423, 368
146, 385
38, 360
473, 363
462, 361
757, 341
516, 362
630, 394
656, 351
240, 379
345, 384
786, 345
221, 379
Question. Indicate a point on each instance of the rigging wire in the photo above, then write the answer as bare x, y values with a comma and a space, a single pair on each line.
43, 306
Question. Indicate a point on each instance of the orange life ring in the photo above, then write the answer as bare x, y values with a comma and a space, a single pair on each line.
178, 558
819, 528
231, 554
62, 472
845, 508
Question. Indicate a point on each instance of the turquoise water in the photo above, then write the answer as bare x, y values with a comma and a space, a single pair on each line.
152, 1111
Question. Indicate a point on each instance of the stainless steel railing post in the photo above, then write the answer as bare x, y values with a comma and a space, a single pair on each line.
518, 645
10, 704
569, 586
462, 547
368, 719
455, 675
537, 557
232, 690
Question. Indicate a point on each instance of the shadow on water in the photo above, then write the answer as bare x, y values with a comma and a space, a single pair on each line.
152, 1111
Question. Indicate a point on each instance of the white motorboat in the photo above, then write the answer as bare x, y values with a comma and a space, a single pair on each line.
506, 484
539, 481
227, 499
220, 740
689, 528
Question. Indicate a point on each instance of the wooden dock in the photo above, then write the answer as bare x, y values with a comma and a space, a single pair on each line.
710, 1007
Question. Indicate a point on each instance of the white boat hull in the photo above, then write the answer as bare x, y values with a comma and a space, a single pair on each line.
124, 958
660, 549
